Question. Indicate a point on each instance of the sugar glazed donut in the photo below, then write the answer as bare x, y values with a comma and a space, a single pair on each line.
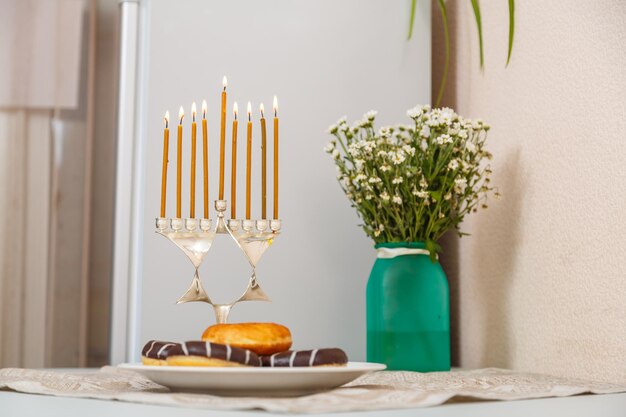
261, 338
315, 357
198, 353
155, 352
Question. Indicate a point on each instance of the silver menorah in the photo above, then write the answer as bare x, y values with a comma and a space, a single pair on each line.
195, 238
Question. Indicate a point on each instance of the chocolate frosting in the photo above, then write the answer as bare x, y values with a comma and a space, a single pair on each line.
156, 349
315, 357
216, 351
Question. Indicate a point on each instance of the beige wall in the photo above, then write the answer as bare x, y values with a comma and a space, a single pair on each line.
541, 283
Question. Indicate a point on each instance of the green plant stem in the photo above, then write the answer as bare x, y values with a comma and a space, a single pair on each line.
446, 36
412, 19
479, 26
511, 29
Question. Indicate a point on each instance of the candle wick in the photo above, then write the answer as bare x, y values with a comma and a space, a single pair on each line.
249, 117
262, 115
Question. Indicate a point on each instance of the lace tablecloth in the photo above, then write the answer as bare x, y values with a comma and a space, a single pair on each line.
380, 390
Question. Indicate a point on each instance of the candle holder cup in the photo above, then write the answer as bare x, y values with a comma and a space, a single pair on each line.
194, 237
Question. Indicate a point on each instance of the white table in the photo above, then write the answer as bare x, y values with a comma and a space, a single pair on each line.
15, 404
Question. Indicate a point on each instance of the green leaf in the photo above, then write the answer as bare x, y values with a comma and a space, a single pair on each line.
446, 35
412, 18
511, 29
433, 247
479, 25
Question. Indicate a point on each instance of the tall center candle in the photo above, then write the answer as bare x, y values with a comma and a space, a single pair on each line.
233, 173
166, 141
192, 191
205, 160
249, 162
222, 138
275, 157
263, 164
179, 162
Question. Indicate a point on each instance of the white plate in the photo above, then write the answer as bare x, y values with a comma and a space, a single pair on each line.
253, 381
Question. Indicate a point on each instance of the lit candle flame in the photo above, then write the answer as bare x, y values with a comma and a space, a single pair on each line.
235, 110
204, 109
167, 119
249, 110
224, 82
181, 114
193, 111
262, 108
275, 107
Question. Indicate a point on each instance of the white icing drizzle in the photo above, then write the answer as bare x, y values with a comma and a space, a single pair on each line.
150, 350
247, 356
291, 358
160, 352
313, 355
272, 359
185, 351
208, 349
228, 352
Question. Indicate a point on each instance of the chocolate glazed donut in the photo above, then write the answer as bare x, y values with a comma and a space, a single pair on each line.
214, 351
315, 357
156, 349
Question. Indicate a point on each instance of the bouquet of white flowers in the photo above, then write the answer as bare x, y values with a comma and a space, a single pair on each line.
412, 183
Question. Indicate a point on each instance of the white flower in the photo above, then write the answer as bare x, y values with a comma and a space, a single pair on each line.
414, 113
447, 197
332, 129
359, 178
376, 233
342, 120
385, 196
382, 154
358, 164
444, 139
442, 216
425, 132
344, 127
336, 154
409, 149
375, 180
397, 199
384, 131
423, 183
470, 146
447, 114
398, 157
385, 168
369, 196
420, 194
329, 148
423, 145
381, 227
454, 164
370, 115
463, 134
397, 180
460, 184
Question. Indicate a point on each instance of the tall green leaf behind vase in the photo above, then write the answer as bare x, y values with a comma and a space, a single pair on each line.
410, 183
408, 313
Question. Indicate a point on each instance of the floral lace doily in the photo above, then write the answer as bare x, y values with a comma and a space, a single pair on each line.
380, 390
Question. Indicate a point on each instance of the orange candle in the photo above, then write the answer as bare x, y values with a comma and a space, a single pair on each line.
192, 193
166, 141
249, 162
263, 165
179, 162
205, 160
222, 138
275, 157
233, 174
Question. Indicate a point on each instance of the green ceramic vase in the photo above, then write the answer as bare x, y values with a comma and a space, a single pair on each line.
408, 312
